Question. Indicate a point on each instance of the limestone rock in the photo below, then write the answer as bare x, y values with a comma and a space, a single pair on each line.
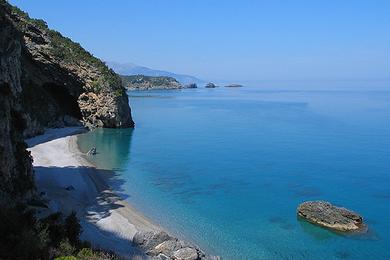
61, 82
327, 215
149, 240
186, 253
16, 176
167, 247
160, 245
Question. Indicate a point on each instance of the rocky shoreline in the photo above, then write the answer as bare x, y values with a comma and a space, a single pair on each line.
160, 245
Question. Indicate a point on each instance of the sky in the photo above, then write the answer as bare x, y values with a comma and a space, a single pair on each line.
231, 40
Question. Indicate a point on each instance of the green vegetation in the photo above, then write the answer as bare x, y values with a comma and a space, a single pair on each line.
156, 81
67, 51
23, 236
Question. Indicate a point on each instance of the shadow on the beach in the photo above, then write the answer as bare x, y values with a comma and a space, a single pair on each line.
99, 203
109, 185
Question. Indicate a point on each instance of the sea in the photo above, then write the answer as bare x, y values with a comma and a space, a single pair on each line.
226, 168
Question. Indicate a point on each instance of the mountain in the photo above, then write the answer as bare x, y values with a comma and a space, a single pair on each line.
129, 69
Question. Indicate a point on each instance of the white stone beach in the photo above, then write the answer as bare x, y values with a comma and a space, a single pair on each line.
70, 182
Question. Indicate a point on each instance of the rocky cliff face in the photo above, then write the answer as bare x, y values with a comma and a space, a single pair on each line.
62, 83
46, 80
16, 176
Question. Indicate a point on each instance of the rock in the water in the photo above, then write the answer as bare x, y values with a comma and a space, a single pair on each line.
327, 215
186, 253
92, 151
234, 86
210, 85
191, 85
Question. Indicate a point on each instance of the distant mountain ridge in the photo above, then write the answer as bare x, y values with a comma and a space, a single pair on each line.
129, 69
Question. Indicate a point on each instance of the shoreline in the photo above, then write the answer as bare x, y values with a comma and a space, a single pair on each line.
70, 182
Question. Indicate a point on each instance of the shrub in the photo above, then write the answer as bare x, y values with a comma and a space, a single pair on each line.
65, 248
73, 229
22, 236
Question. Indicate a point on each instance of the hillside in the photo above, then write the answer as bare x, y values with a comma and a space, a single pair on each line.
141, 82
47, 80
131, 69
62, 82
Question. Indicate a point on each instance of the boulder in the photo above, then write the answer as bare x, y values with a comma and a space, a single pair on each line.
186, 253
167, 247
160, 245
325, 214
149, 240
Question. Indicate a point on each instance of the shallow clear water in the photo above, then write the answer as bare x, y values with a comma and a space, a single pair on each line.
226, 168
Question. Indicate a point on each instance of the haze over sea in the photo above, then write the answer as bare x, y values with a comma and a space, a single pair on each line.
226, 168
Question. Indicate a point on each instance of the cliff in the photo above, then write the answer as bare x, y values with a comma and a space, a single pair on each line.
63, 83
46, 80
16, 177
141, 82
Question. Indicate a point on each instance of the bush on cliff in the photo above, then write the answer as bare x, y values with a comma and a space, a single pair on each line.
23, 236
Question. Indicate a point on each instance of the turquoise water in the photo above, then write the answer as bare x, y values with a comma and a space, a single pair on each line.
226, 168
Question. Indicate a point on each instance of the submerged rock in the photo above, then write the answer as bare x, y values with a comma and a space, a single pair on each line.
325, 214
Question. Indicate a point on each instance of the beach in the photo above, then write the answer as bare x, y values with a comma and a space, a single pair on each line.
70, 183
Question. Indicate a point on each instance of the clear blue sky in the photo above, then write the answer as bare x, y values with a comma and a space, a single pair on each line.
233, 40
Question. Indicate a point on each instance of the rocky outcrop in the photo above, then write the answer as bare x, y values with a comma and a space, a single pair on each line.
16, 177
60, 80
160, 245
324, 214
210, 85
191, 85
46, 80
141, 82
233, 86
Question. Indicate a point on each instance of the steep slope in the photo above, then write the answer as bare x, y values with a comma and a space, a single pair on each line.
63, 83
47, 80
16, 177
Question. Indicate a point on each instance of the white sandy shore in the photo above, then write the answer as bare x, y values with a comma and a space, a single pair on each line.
108, 221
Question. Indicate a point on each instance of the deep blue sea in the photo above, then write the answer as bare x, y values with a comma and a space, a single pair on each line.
227, 167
